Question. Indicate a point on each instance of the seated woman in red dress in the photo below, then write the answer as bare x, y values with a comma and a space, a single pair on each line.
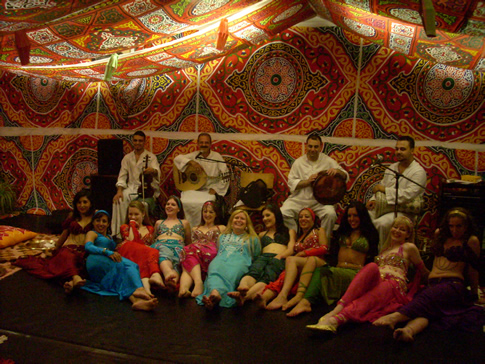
137, 234
67, 265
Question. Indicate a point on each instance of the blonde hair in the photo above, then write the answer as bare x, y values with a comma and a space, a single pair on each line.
400, 220
140, 206
250, 234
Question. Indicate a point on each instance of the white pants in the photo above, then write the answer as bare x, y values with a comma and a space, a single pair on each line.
193, 202
326, 213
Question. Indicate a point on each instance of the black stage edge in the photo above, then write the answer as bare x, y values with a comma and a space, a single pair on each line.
43, 325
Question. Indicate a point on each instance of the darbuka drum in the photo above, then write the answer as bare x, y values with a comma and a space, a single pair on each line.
382, 207
328, 190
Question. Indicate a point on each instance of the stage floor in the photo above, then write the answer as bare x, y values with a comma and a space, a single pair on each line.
40, 324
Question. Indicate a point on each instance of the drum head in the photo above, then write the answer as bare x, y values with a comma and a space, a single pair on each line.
328, 190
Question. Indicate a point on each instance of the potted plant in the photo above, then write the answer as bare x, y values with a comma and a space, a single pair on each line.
8, 198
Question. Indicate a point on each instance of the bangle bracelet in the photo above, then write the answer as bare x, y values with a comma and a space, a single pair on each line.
104, 251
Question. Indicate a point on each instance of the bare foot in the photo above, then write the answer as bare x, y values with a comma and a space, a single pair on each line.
142, 293
292, 302
198, 289
260, 301
277, 303
68, 287
145, 305
156, 281
238, 296
211, 301
303, 306
243, 290
185, 294
77, 281
405, 334
387, 320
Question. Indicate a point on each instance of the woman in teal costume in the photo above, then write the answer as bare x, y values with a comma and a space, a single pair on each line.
109, 273
173, 233
238, 246
356, 242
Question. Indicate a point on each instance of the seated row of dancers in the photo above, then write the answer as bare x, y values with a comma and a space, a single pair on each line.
230, 265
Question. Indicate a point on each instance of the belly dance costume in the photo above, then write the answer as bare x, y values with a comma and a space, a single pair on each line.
202, 250
107, 277
266, 268
311, 246
138, 249
446, 301
170, 249
330, 283
67, 262
373, 294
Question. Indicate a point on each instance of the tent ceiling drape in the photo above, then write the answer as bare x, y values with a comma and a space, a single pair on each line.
79, 40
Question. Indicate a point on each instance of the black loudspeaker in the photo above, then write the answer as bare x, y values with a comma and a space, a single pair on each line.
110, 154
103, 189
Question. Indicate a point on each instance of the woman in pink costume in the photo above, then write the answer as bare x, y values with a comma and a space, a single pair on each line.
310, 248
67, 265
200, 253
381, 287
137, 234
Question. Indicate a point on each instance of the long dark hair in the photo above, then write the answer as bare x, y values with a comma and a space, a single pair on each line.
366, 227
444, 232
83, 193
282, 235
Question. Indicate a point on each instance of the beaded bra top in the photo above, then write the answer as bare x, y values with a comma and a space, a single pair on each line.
73, 226
176, 229
360, 244
205, 238
395, 260
311, 241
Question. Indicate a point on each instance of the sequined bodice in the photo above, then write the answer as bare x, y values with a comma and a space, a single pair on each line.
205, 238
395, 260
311, 241
360, 244
176, 229
73, 226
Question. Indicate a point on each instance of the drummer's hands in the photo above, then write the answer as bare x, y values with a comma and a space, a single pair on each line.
370, 205
379, 188
332, 172
312, 178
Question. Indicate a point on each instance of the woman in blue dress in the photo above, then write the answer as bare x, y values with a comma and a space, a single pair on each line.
110, 274
172, 234
237, 247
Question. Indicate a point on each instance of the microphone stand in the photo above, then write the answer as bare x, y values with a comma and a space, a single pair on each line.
400, 175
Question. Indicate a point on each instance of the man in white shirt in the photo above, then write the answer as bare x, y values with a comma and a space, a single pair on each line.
202, 161
129, 180
407, 192
303, 173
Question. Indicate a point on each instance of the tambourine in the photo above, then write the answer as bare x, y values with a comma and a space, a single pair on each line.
329, 190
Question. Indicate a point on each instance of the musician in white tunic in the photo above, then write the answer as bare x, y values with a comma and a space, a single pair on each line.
408, 192
132, 166
213, 165
303, 173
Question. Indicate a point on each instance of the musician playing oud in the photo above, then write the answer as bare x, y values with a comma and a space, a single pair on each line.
408, 191
203, 162
129, 181
303, 173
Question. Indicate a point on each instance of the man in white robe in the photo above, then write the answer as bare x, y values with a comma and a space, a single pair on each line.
213, 165
407, 192
303, 173
132, 166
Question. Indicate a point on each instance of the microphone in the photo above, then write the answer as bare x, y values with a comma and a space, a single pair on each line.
378, 161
